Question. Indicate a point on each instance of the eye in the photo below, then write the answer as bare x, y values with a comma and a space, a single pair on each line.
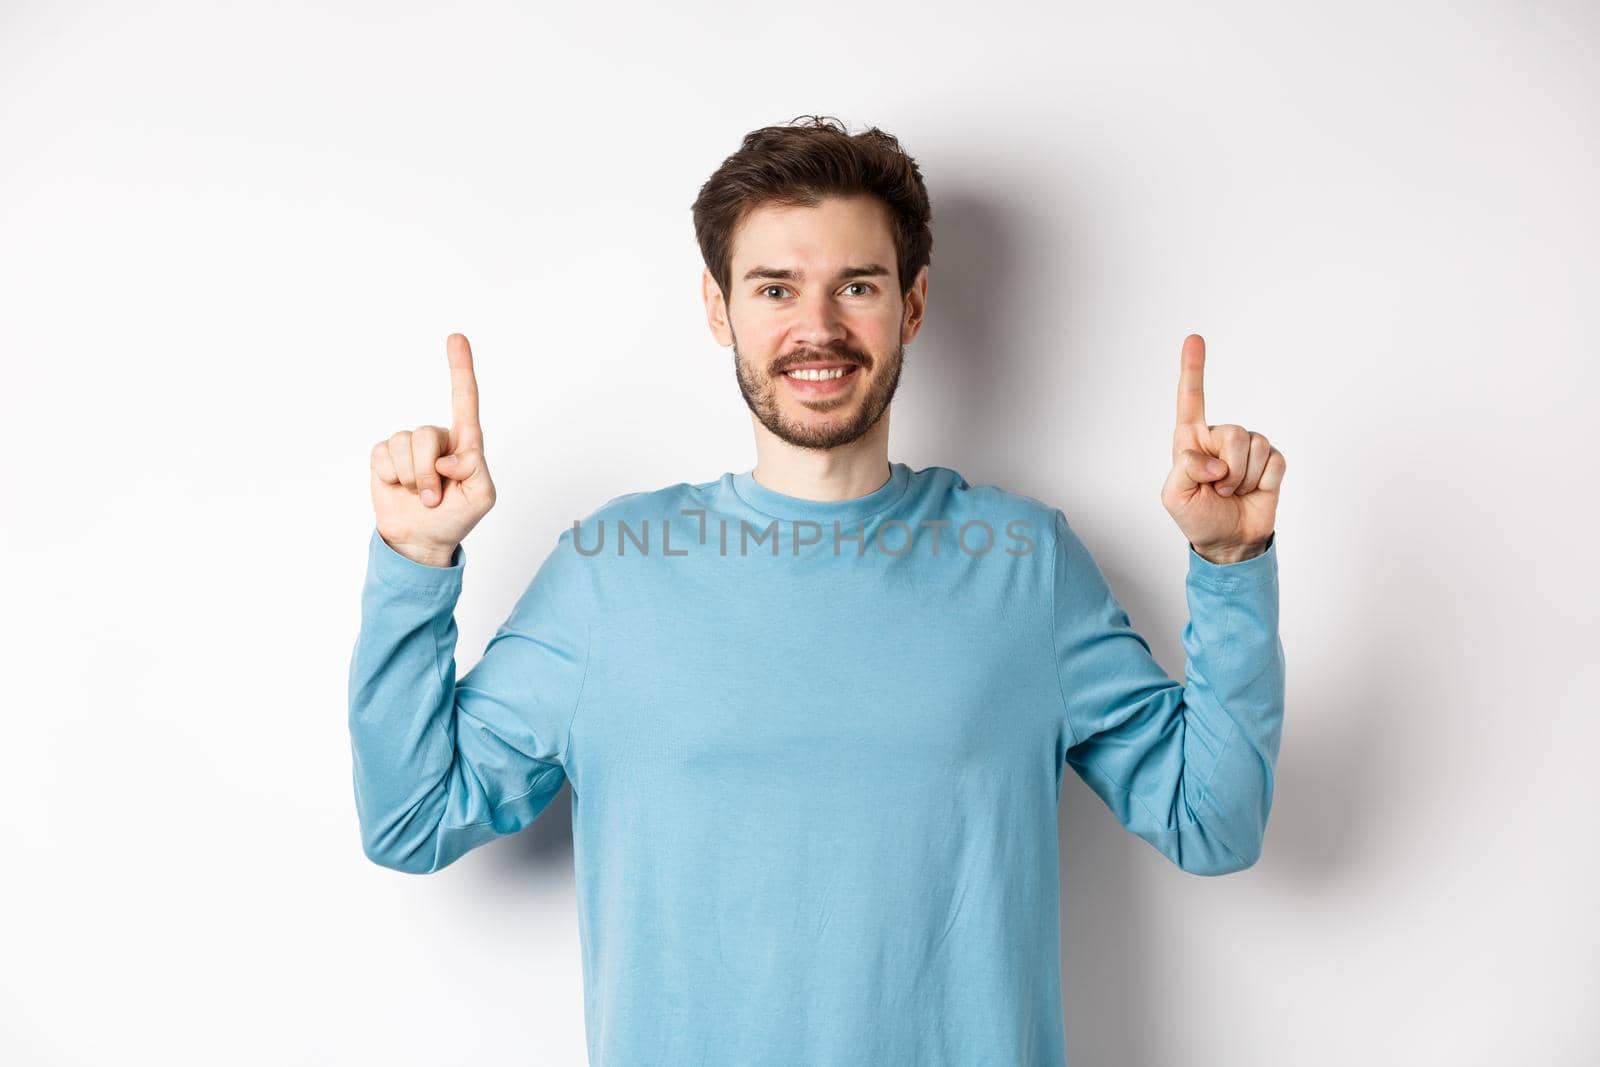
784, 288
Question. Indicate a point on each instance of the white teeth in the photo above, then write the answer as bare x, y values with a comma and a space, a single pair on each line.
818, 375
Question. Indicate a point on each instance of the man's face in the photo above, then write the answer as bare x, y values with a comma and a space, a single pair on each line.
816, 290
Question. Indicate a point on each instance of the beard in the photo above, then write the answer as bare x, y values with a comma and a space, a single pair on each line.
760, 393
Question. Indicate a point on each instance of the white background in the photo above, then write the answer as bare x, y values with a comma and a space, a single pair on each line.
234, 237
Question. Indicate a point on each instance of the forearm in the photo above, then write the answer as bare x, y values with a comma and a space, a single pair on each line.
1234, 694
400, 712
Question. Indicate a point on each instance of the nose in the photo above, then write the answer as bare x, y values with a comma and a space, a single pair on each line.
819, 323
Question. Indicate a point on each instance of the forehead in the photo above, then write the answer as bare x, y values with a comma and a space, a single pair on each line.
838, 230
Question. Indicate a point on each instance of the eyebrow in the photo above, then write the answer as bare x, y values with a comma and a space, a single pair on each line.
870, 270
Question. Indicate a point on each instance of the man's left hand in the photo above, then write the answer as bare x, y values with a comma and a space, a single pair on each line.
1223, 489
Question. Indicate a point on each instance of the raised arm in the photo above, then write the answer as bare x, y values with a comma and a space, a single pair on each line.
1188, 767
441, 766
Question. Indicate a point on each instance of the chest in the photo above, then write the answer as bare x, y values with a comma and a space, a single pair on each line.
762, 688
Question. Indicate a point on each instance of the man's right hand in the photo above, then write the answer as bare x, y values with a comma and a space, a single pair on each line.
430, 485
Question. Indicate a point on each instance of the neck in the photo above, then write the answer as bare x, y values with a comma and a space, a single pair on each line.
842, 473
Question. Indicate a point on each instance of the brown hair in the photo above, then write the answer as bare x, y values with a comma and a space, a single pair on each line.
799, 163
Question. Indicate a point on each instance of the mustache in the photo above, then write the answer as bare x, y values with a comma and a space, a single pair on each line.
831, 355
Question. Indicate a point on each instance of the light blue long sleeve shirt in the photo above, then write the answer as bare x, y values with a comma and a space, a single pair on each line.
816, 753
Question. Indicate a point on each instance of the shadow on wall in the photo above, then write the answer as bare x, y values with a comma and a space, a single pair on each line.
967, 375
545, 846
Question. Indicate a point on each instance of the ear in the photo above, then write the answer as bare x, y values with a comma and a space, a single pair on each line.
916, 301
716, 309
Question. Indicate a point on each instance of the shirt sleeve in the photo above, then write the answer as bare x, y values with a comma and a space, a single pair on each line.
442, 766
1188, 767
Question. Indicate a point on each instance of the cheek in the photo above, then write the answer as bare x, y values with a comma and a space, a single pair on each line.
761, 336
882, 329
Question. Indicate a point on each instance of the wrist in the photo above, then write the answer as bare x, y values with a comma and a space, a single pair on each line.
427, 555
1231, 553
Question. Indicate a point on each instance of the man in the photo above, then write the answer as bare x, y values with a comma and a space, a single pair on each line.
815, 714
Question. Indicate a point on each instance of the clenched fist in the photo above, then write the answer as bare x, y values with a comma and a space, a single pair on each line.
430, 485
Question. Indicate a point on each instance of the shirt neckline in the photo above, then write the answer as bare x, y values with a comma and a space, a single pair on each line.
778, 505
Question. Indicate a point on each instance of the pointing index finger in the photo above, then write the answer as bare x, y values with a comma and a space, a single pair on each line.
1191, 385
464, 429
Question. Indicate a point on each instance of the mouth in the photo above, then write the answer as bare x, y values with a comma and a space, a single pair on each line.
814, 380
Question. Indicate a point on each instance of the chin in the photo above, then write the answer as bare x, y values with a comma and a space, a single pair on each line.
808, 419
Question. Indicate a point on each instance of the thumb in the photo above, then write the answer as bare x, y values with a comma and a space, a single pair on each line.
1194, 468
466, 467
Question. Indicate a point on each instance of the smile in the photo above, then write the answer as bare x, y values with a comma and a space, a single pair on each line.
821, 383
818, 374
